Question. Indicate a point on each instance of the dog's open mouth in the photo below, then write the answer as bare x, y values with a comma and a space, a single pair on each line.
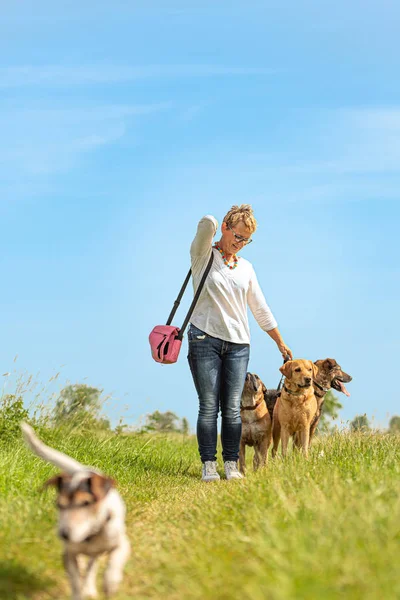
338, 385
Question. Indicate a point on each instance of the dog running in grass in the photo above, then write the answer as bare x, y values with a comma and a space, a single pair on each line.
91, 519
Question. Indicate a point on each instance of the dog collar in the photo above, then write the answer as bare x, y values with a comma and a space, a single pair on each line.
293, 393
251, 407
320, 387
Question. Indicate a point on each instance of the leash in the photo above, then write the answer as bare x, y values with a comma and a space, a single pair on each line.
287, 357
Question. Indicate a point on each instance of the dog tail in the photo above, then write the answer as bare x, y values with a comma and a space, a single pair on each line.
60, 460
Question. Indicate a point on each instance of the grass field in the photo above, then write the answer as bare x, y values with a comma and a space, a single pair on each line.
324, 528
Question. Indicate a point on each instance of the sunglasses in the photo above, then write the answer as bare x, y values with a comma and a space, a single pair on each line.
240, 238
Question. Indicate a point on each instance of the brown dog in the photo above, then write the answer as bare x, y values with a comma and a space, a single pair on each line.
256, 422
296, 407
330, 375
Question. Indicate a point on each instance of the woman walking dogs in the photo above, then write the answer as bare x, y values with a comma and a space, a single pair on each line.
219, 334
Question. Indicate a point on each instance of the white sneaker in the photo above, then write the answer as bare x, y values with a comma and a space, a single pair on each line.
231, 470
209, 471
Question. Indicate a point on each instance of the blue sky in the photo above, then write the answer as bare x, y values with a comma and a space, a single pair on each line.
123, 123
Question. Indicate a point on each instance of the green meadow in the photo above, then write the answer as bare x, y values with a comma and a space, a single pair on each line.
325, 528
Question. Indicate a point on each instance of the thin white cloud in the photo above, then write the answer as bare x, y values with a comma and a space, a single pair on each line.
45, 141
329, 156
71, 116
365, 140
58, 75
341, 142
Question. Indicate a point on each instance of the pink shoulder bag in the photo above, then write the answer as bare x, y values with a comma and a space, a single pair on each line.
166, 340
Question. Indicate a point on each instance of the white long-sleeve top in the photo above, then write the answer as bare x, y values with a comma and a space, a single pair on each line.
221, 310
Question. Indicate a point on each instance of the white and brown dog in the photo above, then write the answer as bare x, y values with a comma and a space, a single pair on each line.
91, 519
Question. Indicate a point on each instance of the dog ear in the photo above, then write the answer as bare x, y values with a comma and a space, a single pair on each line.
314, 369
100, 485
329, 363
56, 481
286, 369
264, 389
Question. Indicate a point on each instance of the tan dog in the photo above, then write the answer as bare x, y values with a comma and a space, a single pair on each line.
91, 519
256, 422
296, 407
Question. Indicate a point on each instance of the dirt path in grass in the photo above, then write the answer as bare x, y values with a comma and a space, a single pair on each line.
151, 529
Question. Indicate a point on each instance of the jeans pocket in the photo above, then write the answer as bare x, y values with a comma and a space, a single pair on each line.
196, 335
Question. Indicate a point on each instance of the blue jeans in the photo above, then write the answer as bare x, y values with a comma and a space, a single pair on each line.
219, 371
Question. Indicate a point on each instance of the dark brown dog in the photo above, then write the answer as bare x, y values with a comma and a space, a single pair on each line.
296, 406
270, 397
330, 375
256, 422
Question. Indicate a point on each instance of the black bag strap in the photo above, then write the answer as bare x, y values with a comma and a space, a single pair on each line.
194, 301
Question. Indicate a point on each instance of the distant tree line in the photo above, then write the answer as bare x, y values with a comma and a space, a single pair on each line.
361, 423
81, 405
330, 412
166, 422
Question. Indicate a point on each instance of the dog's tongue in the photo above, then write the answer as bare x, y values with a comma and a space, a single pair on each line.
343, 388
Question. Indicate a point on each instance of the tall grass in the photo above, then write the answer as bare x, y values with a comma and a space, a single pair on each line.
325, 528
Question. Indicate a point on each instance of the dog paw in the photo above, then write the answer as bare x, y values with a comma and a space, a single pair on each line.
110, 587
90, 594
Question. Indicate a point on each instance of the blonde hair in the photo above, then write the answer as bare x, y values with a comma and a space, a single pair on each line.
243, 213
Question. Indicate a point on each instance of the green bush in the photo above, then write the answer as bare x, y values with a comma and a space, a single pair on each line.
12, 412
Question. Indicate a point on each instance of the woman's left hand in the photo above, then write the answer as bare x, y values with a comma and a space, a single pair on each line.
285, 351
